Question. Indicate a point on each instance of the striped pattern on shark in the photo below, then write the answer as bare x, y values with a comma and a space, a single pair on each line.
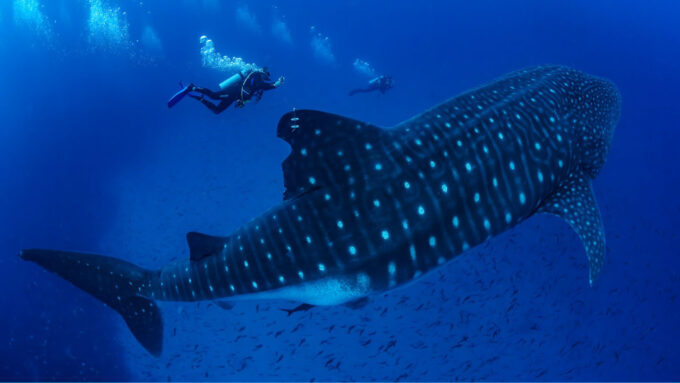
367, 209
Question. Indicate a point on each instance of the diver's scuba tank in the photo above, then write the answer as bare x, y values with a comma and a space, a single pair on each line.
238, 77
246, 91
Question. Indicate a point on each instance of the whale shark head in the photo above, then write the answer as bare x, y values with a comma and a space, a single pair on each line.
597, 112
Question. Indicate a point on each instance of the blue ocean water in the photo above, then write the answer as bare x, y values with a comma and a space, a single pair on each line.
93, 160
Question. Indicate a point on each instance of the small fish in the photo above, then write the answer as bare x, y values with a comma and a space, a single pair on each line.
224, 305
300, 308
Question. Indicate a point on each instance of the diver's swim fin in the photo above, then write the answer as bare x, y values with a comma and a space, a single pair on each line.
179, 96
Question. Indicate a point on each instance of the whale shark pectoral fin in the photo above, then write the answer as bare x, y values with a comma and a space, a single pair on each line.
324, 147
575, 202
203, 245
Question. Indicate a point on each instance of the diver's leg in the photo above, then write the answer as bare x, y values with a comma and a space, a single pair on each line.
208, 92
219, 108
207, 103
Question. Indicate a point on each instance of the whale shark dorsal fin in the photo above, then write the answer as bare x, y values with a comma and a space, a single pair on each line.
574, 201
203, 245
324, 146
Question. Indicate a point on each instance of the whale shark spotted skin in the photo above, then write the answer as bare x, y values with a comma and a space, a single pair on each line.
367, 209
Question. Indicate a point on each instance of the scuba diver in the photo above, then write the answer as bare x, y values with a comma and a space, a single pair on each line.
381, 83
239, 88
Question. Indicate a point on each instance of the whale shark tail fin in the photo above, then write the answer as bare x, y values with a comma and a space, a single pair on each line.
119, 284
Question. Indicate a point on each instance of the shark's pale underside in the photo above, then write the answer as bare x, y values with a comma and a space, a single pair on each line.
367, 209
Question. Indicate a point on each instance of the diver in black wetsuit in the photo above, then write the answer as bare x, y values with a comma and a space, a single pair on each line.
382, 83
240, 88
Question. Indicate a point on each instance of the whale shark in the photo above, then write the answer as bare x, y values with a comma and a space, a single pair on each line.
366, 209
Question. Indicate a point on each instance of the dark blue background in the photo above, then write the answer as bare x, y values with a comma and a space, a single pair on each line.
76, 119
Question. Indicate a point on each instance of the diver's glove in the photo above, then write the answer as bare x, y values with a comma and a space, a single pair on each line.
279, 81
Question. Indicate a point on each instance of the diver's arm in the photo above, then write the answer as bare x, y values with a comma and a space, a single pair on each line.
268, 84
219, 108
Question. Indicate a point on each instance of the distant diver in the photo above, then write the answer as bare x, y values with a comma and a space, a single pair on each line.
240, 88
381, 83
